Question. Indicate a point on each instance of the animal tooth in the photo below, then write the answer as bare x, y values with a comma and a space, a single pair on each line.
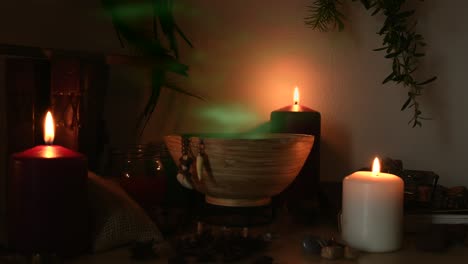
199, 166
183, 180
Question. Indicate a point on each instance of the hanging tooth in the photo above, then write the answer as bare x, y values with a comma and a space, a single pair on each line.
199, 166
183, 181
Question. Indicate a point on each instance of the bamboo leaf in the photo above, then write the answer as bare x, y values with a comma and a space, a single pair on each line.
383, 29
398, 78
124, 18
428, 81
376, 11
388, 78
392, 55
157, 81
379, 49
155, 20
183, 36
417, 123
366, 3
408, 101
176, 88
166, 20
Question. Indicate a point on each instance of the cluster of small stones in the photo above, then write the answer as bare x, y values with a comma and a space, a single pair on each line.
328, 248
226, 247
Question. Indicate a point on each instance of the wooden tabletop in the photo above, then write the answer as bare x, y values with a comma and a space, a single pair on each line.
286, 247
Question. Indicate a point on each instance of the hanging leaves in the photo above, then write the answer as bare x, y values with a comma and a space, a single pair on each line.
400, 43
324, 14
124, 15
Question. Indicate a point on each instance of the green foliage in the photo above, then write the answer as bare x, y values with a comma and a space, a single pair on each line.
323, 14
402, 45
129, 19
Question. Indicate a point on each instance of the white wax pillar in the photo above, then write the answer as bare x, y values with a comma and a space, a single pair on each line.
372, 213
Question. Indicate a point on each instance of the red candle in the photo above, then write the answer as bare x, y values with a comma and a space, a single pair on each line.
300, 119
48, 210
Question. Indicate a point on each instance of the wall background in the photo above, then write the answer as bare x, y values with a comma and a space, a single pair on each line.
248, 57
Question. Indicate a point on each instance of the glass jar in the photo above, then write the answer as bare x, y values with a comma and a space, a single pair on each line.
142, 174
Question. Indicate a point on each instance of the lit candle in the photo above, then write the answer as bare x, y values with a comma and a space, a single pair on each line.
296, 98
48, 210
372, 210
296, 118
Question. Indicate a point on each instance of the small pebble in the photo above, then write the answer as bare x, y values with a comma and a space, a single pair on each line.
334, 242
311, 244
267, 236
332, 252
351, 253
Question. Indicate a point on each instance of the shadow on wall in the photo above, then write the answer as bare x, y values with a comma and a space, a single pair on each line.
335, 156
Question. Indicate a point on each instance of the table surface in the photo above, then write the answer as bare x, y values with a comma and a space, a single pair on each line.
286, 248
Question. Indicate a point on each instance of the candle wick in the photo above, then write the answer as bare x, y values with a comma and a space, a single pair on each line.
295, 103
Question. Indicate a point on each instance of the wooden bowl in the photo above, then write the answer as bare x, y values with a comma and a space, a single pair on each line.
243, 170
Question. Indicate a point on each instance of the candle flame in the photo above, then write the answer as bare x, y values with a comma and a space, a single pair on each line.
376, 167
49, 152
296, 96
49, 131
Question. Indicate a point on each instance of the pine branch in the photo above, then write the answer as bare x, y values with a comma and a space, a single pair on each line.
324, 15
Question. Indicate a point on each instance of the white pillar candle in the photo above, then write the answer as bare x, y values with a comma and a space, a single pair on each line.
372, 213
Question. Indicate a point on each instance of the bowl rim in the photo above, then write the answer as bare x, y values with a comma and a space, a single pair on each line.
242, 136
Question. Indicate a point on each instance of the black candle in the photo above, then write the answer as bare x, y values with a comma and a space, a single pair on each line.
299, 119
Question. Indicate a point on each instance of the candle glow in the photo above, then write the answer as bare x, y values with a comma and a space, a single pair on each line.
49, 131
296, 96
296, 100
376, 167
